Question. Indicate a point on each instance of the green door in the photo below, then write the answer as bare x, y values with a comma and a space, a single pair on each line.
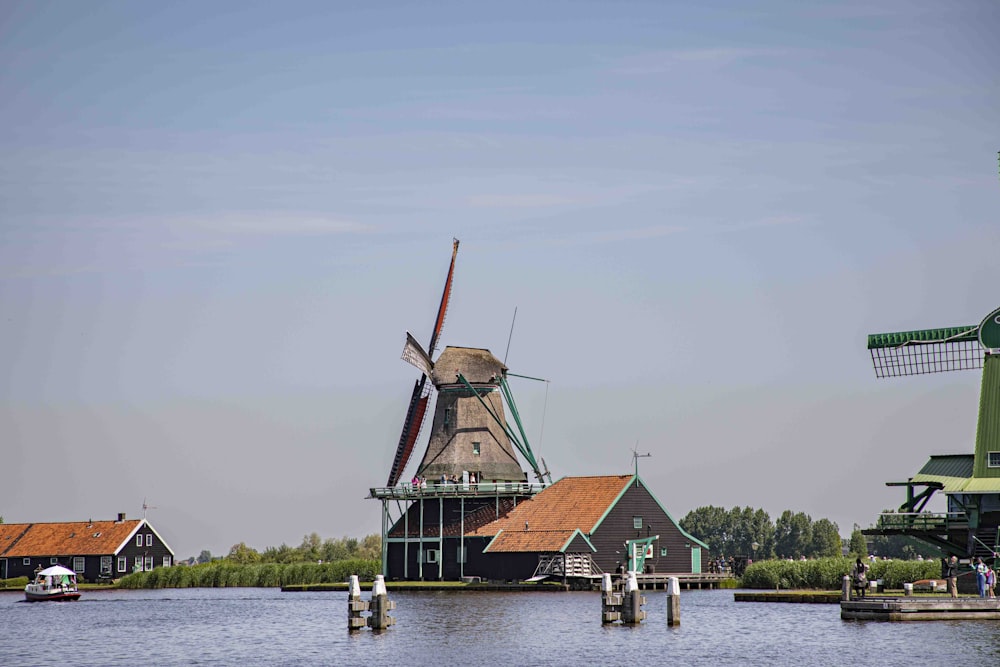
696, 560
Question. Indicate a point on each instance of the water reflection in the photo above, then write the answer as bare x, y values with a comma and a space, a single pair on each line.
266, 627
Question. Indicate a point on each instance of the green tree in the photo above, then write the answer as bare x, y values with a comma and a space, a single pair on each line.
310, 548
858, 546
711, 525
792, 534
205, 556
241, 553
825, 539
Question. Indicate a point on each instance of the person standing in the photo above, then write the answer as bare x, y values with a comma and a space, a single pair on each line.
991, 580
951, 574
981, 577
859, 577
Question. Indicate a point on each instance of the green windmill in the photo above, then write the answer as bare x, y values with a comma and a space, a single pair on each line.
971, 482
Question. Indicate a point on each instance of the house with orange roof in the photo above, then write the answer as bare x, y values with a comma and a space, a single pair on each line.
95, 550
578, 525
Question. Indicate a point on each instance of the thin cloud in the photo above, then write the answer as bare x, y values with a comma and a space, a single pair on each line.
658, 62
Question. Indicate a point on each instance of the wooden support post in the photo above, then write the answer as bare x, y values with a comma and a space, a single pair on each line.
355, 605
380, 606
632, 613
611, 602
673, 601
845, 589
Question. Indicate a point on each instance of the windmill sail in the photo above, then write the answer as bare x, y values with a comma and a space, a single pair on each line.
421, 392
926, 351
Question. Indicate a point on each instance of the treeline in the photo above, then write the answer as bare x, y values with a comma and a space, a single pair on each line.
223, 573
312, 550
750, 532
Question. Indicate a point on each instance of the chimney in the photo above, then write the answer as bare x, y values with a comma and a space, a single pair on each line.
121, 517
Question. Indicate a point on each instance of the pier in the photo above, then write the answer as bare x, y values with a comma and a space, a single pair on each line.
920, 609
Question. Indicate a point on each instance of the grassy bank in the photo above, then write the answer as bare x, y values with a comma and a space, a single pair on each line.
828, 573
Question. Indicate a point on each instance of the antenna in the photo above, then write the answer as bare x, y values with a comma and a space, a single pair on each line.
635, 457
146, 507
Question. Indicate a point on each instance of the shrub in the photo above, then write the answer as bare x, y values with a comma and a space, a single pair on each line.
828, 573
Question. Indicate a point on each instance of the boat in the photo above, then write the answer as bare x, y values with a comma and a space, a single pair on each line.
53, 583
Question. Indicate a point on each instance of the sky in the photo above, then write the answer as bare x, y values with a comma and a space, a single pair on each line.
217, 222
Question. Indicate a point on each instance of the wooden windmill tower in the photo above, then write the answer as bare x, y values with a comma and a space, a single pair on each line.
971, 482
469, 432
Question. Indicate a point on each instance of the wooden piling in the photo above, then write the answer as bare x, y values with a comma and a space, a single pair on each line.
355, 605
845, 588
611, 602
380, 606
673, 602
632, 613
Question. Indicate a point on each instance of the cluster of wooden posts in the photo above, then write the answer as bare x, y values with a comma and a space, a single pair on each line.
378, 607
626, 605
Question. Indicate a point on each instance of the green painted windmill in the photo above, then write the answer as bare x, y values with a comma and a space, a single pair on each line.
970, 482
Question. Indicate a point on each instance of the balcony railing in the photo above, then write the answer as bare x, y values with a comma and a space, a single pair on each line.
439, 490
923, 521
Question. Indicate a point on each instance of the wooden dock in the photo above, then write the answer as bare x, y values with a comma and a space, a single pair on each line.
920, 609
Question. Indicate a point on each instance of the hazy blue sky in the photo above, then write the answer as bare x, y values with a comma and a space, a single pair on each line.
217, 220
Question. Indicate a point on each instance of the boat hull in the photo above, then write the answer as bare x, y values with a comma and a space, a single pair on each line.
33, 593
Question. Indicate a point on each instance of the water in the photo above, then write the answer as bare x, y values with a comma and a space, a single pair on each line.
252, 626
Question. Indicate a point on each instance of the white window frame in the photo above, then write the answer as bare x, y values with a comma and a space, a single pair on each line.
138, 564
25, 561
122, 563
149, 539
663, 552
148, 565
79, 564
138, 540
993, 459
166, 561
637, 522
476, 448
432, 556
53, 561
105, 564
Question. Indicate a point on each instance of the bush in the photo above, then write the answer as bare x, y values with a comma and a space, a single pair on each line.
16, 582
828, 573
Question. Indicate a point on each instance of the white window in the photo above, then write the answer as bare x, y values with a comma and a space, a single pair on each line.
432, 556
475, 448
105, 564
149, 539
637, 522
993, 459
663, 551
78, 563
53, 561
26, 561
166, 561
138, 540
122, 563
149, 563
138, 564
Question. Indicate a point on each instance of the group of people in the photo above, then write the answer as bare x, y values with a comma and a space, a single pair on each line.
421, 482
986, 577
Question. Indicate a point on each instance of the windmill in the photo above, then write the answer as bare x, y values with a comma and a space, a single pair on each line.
971, 483
470, 432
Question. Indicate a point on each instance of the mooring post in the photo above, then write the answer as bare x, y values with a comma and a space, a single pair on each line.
611, 602
845, 589
380, 606
632, 613
355, 605
673, 601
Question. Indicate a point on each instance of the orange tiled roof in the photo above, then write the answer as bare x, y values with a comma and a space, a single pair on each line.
571, 503
74, 538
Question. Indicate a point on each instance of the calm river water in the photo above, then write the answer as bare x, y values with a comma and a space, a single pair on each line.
252, 626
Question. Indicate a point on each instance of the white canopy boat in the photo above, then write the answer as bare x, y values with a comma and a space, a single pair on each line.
53, 583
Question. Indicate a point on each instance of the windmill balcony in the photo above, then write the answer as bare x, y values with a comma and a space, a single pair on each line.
923, 521
438, 490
